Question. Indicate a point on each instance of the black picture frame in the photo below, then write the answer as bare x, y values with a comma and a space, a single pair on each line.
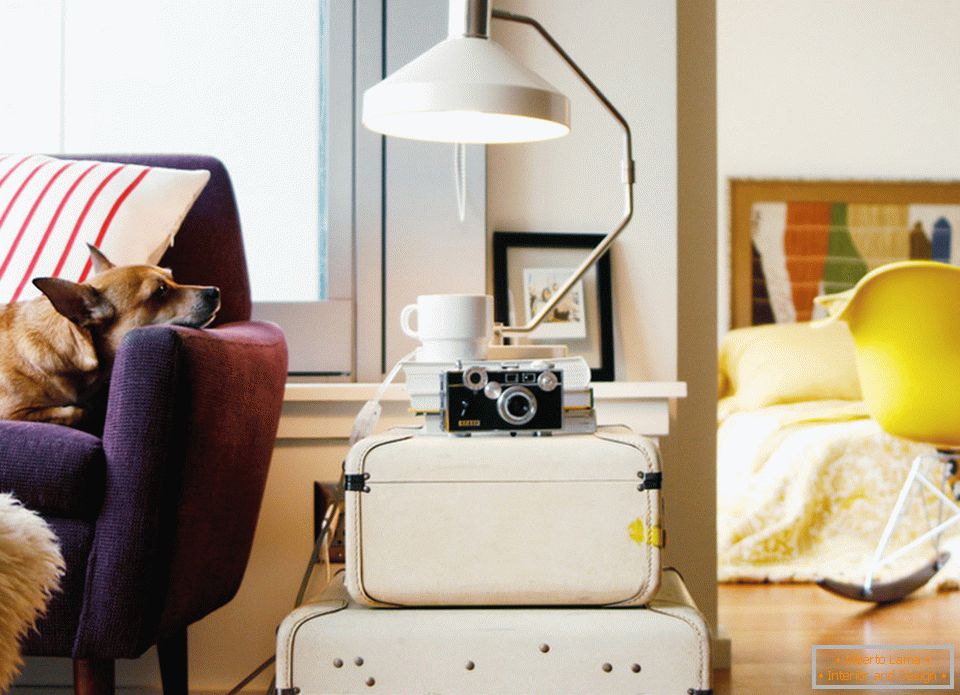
597, 347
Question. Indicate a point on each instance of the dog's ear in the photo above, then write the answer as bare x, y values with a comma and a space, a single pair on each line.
100, 262
82, 304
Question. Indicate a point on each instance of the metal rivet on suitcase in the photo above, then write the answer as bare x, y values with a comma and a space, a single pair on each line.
544, 648
338, 663
370, 682
470, 666
607, 668
636, 668
358, 661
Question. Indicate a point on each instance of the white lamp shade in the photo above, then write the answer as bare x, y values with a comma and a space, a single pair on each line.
466, 89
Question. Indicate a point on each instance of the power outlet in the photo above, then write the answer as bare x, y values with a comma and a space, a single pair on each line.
323, 495
338, 546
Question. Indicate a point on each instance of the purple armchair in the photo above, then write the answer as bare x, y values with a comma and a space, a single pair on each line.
156, 513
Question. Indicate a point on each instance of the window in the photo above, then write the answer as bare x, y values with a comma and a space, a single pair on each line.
267, 87
342, 228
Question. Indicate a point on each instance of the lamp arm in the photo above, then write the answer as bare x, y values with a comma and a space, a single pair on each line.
627, 176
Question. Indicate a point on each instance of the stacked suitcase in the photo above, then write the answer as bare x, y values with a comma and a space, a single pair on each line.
506, 565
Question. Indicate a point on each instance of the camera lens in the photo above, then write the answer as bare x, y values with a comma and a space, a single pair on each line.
475, 378
517, 405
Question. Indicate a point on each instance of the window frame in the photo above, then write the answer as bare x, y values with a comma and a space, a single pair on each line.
357, 337
322, 336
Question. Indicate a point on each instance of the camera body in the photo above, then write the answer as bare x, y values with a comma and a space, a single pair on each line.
480, 399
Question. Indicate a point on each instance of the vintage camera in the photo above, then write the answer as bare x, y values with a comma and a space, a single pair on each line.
478, 399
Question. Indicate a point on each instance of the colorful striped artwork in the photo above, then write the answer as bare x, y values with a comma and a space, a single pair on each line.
810, 248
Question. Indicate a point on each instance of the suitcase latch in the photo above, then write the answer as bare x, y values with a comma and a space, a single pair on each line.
650, 481
356, 482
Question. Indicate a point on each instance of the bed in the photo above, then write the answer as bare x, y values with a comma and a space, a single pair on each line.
806, 479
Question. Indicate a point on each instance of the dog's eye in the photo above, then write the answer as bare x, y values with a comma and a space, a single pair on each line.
161, 290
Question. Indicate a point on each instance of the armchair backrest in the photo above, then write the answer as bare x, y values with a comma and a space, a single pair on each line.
208, 249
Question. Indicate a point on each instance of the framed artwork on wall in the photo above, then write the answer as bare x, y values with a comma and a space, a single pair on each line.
529, 266
792, 239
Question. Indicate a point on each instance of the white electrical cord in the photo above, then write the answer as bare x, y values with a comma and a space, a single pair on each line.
369, 415
363, 426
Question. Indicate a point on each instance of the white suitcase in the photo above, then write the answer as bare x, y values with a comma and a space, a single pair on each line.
496, 520
336, 646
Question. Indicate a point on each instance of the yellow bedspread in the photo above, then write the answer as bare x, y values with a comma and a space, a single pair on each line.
805, 489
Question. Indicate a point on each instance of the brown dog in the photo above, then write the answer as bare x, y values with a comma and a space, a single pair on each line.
56, 350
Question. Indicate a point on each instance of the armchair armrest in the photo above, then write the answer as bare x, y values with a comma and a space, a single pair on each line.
191, 420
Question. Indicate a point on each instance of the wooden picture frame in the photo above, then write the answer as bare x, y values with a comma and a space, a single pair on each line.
744, 193
527, 256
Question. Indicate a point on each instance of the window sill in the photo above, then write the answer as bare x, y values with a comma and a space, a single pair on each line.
326, 411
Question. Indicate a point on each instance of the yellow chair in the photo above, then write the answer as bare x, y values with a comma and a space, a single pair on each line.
905, 322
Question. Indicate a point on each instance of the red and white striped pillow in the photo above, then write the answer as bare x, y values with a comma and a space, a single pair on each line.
51, 208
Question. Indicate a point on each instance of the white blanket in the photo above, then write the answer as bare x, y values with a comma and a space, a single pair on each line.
805, 489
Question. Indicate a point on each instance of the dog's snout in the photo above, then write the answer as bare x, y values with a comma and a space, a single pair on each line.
212, 294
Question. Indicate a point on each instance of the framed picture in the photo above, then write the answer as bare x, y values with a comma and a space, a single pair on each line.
529, 266
794, 239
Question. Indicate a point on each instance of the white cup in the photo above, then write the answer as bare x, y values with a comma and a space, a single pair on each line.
450, 327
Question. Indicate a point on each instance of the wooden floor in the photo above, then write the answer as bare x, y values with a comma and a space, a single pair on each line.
773, 628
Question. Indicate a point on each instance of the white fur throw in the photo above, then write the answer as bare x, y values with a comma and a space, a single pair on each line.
30, 570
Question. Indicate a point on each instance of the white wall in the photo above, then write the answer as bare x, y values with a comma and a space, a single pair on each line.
573, 184
630, 49
827, 89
